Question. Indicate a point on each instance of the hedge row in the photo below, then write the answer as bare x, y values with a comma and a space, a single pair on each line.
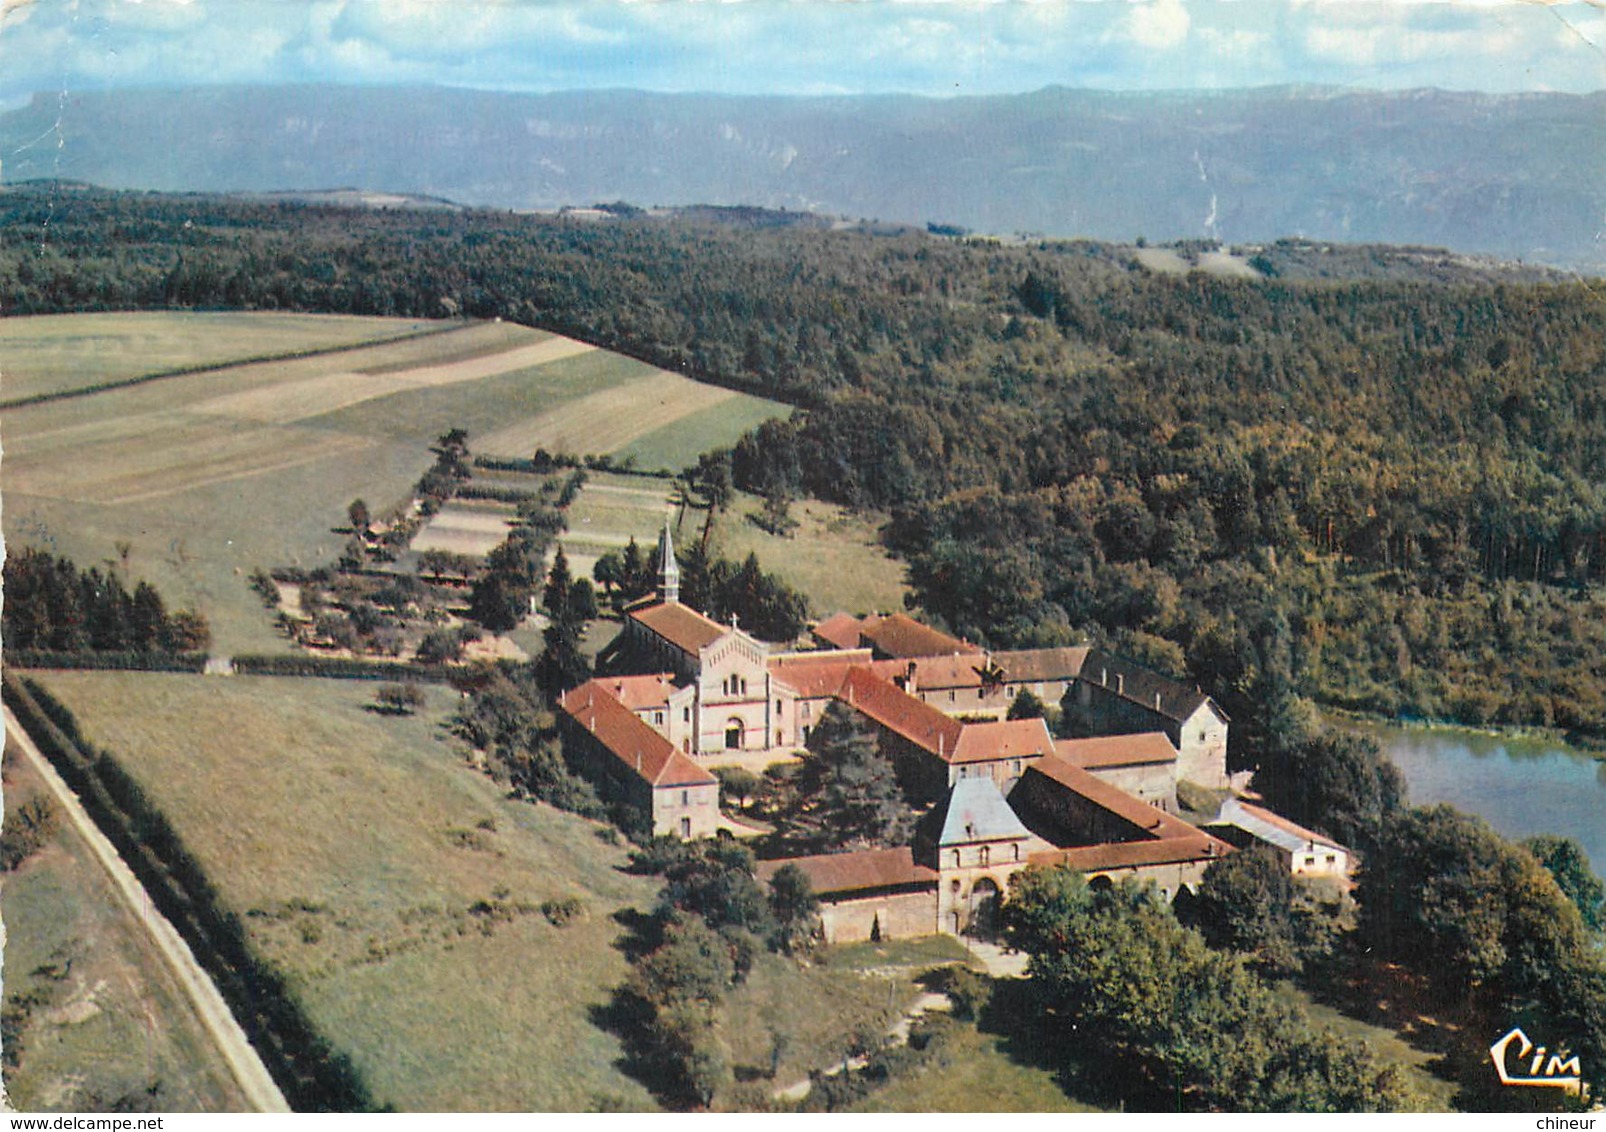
338, 668
498, 493
312, 1075
123, 661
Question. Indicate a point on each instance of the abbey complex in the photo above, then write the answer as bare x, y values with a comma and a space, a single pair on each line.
1002, 793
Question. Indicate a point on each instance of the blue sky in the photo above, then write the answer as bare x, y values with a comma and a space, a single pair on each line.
804, 46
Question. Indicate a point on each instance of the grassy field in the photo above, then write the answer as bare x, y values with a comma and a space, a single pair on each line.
52, 353
110, 1022
677, 444
974, 1073
398, 887
833, 557
209, 476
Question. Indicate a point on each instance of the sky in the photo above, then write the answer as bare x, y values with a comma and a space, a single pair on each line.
801, 47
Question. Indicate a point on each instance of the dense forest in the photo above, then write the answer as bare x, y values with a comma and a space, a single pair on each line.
1381, 493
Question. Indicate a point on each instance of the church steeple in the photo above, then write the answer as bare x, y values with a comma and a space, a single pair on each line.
668, 568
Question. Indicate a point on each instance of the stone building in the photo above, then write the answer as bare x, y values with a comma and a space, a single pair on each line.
1304, 852
632, 763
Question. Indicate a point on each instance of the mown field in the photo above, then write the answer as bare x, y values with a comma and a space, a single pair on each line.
53, 353
107, 1022
398, 886
205, 477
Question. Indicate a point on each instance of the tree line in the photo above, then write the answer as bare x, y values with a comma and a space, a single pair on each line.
53, 605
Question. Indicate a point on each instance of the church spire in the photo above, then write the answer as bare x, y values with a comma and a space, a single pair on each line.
668, 568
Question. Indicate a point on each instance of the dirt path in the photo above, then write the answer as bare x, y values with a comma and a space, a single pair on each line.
897, 1035
213, 1012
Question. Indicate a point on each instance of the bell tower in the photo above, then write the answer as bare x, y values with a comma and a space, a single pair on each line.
668, 568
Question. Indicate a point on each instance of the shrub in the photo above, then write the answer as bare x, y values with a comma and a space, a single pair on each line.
26, 832
560, 912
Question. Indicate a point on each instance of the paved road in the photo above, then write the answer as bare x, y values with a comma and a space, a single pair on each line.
243, 1062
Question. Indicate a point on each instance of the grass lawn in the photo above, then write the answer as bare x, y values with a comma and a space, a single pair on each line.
833, 556
110, 1021
917, 955
51, 353
677, 445
973, 1073
398, 888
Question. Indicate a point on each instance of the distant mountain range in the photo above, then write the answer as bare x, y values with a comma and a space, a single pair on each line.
1515, 176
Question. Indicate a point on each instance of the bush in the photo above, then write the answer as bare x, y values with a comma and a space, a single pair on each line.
970, 990
26, 832
560, 912
399, 699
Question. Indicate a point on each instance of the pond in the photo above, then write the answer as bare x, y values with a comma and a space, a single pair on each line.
1521, 786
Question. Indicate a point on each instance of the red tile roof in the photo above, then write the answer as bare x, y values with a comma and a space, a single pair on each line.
680, 625
640, 692
1117, 750
817, 674
1035, 665
833, 873
1150, 821
1134, 854
901, 713
840, 630
900, 635
1165, 840
934, 673
1010, 739
632, 742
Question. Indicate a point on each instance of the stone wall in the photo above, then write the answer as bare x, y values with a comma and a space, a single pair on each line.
899, 915
1154, 783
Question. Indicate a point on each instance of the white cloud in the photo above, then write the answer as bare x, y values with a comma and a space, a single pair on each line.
1234, 42
1158, 24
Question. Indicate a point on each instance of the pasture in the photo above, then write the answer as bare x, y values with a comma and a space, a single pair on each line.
108, 1021
398, 887
204, 477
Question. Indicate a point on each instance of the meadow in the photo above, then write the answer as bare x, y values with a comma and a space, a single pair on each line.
194, 481
109, 1023
399, 888
834, 557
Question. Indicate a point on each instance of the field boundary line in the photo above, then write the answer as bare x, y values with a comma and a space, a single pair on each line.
208, 1002
191, 371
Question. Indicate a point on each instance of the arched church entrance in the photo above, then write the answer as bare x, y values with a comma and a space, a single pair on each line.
984, 901
733, 734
